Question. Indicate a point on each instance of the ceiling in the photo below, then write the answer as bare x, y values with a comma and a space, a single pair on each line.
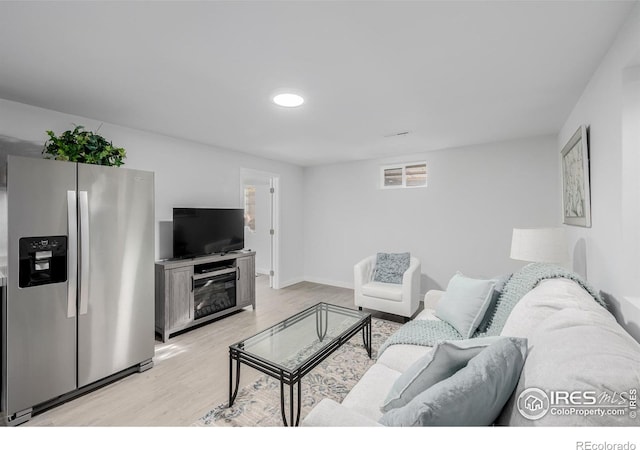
451, 73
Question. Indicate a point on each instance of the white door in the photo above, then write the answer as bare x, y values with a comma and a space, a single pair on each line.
258, 191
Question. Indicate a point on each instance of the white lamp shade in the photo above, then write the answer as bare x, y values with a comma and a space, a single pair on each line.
539, 245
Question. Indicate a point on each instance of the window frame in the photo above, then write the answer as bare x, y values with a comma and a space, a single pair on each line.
403, 166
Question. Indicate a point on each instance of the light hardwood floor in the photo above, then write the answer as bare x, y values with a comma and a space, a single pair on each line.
191, 372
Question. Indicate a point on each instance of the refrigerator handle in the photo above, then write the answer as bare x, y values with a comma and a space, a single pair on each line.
72, 253
84, 252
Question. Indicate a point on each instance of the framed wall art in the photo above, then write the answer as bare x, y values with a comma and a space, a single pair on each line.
576, 190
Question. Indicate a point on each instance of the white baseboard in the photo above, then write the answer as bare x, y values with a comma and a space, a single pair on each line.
297, 280
340, 284
291, 282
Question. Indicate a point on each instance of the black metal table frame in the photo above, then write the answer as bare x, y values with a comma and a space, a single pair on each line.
292, 377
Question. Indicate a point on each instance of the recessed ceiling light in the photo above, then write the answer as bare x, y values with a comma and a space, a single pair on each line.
288, 100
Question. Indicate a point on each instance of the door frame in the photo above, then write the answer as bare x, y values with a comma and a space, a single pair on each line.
274, 183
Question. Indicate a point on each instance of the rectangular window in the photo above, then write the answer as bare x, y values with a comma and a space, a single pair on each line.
393, 176
408, 175
416, 175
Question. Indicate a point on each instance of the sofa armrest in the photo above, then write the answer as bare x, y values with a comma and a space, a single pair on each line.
431, 298
411, 284
329, 413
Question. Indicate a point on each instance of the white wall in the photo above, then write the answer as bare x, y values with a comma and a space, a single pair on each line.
607, 253
602, 107
462, 221
186, 174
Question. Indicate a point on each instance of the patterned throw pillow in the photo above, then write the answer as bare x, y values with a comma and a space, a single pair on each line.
390, 267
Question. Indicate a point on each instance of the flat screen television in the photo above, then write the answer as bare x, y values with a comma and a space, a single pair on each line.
205, 231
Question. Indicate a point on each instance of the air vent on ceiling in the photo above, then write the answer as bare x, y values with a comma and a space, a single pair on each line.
402, 133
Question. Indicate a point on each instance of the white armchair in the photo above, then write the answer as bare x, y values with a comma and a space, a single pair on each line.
399, 299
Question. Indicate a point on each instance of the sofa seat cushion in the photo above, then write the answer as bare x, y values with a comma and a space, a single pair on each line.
367, 395
400, 357
331, 413
387, 291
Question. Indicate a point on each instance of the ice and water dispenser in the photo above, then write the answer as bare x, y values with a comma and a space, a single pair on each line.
43, 260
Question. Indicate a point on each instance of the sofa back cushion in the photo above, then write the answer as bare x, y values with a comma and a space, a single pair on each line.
579, 357
546, 299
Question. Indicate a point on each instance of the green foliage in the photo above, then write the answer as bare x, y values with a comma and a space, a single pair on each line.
79, 145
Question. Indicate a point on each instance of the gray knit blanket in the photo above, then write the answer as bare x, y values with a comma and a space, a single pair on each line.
431, 332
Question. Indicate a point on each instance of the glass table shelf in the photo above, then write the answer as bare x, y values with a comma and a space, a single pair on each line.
291, 348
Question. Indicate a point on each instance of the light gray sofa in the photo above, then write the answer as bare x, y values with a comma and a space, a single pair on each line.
577, 352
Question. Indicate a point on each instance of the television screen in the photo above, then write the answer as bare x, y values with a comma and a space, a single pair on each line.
204, 231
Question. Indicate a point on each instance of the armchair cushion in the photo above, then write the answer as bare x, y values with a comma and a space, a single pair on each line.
390, 267
387, 291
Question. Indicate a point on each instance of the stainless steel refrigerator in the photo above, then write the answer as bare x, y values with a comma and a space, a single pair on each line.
78, 310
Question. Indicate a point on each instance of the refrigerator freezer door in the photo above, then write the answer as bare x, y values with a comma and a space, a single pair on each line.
40, 354
116, 322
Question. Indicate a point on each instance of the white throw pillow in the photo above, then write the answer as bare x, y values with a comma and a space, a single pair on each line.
464, 303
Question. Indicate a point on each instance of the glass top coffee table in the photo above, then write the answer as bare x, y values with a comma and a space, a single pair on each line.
290, 349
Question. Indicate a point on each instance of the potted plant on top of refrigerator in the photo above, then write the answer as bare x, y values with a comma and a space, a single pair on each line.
80, 145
